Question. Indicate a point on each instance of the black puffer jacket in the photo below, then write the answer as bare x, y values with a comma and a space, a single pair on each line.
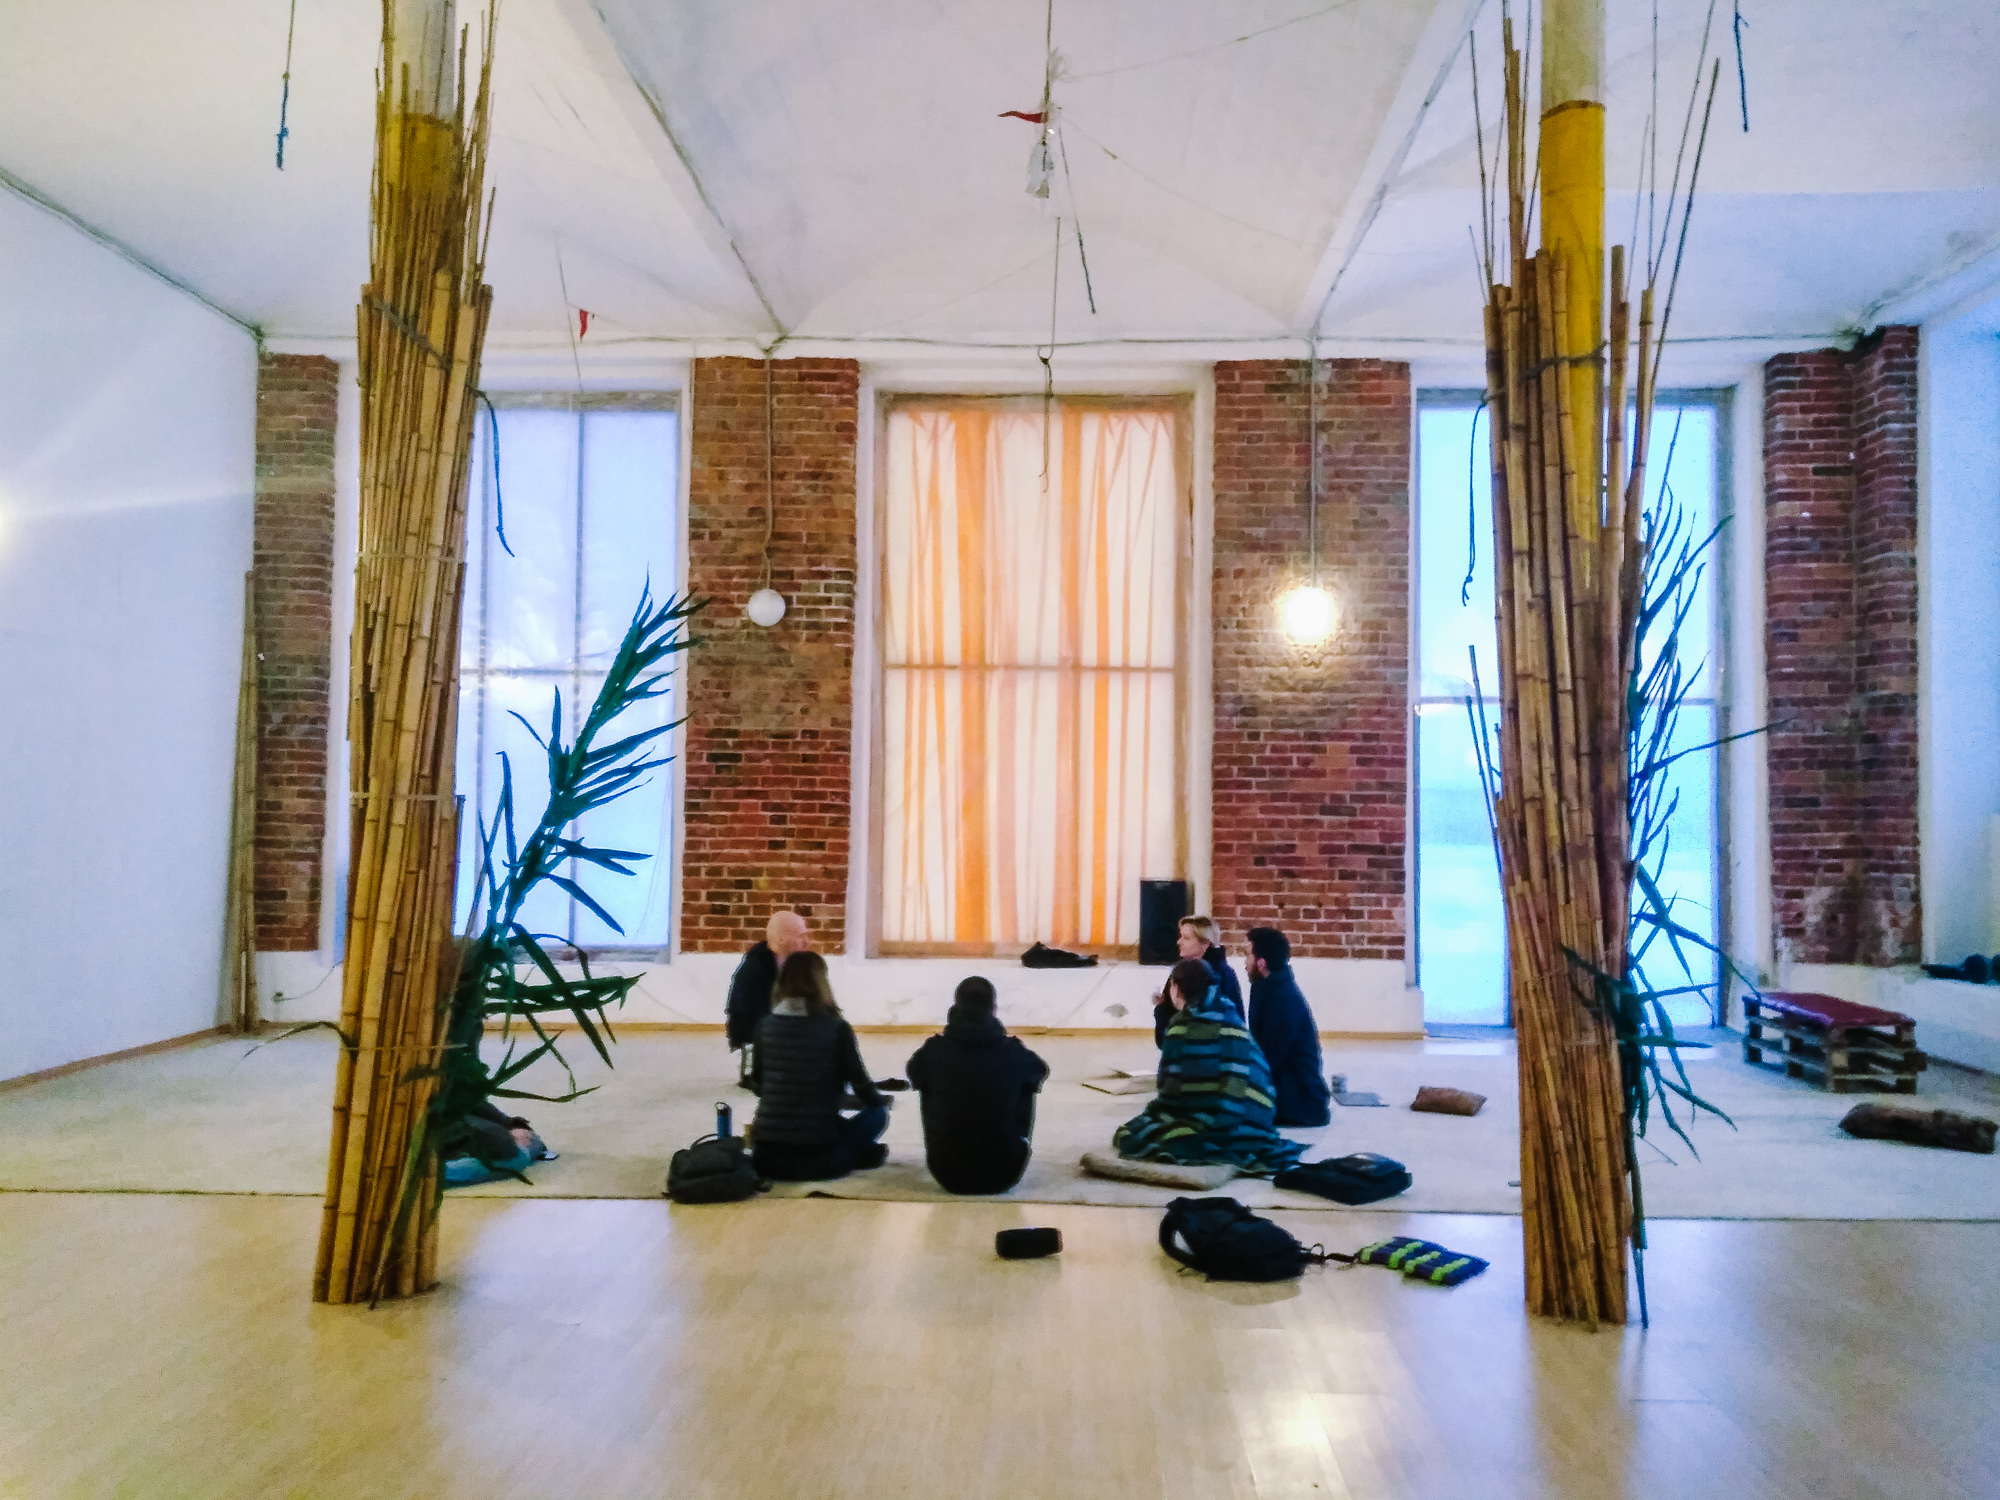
979, 1086
805, 1061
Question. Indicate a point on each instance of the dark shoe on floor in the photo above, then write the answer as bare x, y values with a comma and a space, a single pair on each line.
892, 1085
873, 1156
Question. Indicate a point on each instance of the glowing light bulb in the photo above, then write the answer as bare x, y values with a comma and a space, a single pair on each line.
1306, 615
766, 608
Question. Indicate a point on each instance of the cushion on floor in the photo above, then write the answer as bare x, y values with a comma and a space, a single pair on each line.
1944, 1128
1437, 1101
1156, 1173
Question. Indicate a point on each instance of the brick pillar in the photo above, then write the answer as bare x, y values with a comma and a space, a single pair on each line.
293, 553
1885, 669
768, 750
1311, 759
1841, 650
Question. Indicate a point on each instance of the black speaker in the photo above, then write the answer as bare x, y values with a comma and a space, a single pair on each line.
1027, 1244
1162, 904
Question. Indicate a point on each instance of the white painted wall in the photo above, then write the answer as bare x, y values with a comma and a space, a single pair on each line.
1959, 611
127, 431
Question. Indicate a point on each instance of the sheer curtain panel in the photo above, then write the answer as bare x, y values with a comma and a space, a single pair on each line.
1031, 702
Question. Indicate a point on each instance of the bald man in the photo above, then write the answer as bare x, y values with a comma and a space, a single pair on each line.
750, 987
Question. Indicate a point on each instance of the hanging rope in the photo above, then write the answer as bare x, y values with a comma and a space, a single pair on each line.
1047, 356
1312, 463
285, 98
770, 471
1742, 87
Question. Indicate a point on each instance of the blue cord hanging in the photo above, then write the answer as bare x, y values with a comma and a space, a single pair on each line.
285, 99
499, 510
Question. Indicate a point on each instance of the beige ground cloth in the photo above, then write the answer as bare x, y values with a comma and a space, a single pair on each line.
222, 1118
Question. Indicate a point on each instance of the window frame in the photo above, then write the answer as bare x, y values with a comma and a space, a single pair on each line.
582, 403
1720, 403
1179, 407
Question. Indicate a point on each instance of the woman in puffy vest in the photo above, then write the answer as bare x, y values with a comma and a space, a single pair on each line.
808, 1057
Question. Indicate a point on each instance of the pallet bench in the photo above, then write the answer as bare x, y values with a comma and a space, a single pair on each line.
1840, 1045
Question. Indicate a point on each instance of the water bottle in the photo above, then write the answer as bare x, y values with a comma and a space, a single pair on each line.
722, 1121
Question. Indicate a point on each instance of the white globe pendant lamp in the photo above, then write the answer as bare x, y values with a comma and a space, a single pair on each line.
766, 607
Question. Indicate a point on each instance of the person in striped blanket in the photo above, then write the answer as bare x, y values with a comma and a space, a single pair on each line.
1216, 1103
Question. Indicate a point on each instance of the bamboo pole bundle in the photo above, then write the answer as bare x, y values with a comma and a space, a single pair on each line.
239, 925
422, 322
1567, 579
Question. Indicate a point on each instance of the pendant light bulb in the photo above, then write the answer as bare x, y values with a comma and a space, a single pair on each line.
766, 608
1306, 615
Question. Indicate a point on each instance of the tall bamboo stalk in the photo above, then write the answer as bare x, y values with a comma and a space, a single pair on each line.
1566, 550
422, 322
239, 925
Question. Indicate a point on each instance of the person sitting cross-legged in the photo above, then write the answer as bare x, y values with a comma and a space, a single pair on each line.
1216, 1103
750, 987
1284, 1027
808, 1057
978, 1086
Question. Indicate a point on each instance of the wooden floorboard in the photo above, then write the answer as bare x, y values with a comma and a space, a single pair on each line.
812, 1348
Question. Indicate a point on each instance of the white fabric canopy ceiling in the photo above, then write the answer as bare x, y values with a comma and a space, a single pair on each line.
707, 170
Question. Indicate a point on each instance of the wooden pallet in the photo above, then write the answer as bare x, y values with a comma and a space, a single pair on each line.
1835, 1043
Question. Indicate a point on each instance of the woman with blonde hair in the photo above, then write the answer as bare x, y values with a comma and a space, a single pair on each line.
808, 1058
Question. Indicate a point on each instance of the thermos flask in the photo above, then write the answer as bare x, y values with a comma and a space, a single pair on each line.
722, 1121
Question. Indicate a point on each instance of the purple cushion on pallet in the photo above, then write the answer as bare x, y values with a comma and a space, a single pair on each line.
1826, 1009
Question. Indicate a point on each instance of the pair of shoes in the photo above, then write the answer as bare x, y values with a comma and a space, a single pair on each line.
873, 1156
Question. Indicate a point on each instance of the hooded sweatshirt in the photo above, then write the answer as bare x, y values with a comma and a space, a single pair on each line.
978, 1086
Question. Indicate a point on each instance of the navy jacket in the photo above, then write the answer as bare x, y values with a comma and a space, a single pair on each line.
1225, 980
750, 993
1283, 1025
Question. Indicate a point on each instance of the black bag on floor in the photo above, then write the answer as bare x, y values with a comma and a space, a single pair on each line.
1361, 1178
715, 1169
1040, 956
1226, 1242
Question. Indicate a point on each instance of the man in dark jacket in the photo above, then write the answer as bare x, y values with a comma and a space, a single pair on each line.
1286, 1033
1198, 940
750, 987
978, 1086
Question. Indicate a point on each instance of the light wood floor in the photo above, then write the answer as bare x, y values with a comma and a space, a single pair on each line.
165, 1346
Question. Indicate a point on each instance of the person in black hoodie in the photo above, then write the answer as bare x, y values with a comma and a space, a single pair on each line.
810, 1062
750, 987
1286, 1033
978, 1086
1198, 940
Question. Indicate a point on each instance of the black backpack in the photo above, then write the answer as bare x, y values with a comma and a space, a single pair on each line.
1361, 1178
715, 1169
1226, 1242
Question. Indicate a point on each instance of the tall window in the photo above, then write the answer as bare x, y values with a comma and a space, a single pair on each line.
1461, 930
587, 492
1031, 626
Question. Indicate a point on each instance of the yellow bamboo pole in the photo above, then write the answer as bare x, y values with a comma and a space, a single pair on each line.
421, 327
1565, 587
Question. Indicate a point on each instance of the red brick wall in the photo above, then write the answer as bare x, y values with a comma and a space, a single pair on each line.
1311, 758
293, 554
767, 753
1841, 650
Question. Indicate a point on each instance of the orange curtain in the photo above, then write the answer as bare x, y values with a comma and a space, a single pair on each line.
1030, 640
